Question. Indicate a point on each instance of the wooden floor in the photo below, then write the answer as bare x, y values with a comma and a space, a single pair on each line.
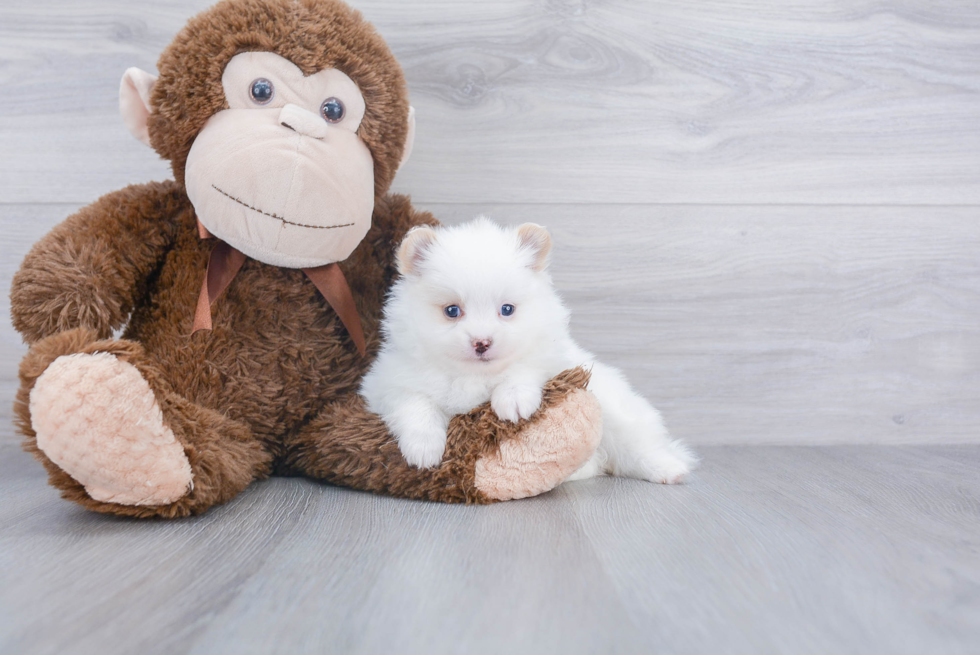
834, 549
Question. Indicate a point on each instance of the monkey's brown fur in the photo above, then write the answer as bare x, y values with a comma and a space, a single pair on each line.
313, 34
272, 389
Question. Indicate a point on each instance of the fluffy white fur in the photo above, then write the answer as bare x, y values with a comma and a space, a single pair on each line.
430, 367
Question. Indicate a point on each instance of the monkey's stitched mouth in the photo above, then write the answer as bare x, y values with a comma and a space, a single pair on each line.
278, 218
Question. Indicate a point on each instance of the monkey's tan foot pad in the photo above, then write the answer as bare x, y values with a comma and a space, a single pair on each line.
547, 451
97, 418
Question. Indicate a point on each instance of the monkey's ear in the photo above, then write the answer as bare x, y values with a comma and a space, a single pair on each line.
409, 138
415, 246
534, 238
134, 101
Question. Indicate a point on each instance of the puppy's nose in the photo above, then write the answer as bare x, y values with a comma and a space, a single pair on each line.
482, 345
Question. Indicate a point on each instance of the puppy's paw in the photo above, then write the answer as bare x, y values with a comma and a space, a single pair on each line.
514, 402
665, 468
423, 448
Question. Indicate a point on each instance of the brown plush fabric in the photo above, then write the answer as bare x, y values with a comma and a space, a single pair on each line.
353, 431
313, 34
272, 388
91, 270
223, 454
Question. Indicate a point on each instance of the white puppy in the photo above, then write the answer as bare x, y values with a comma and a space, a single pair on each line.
475, 317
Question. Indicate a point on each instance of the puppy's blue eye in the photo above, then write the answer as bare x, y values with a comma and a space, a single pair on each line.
506, 310
261, 91
453, 311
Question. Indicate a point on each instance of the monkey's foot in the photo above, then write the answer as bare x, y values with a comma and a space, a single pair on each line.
97, 418
548, 449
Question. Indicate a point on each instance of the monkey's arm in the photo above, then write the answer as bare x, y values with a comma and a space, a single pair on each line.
486, 459
90, 270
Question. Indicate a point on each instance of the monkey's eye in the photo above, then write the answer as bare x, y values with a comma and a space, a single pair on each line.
506, 310
453, 311
261, 91
332, 109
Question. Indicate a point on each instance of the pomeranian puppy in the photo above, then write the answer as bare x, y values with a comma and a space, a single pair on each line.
474, 317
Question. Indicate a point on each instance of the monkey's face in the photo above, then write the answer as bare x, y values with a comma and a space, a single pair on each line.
282, 174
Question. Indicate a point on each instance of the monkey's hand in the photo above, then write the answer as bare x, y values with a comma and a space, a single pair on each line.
90, 270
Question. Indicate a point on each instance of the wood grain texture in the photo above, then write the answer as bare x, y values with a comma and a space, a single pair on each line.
845, 549
836, 101
807, 325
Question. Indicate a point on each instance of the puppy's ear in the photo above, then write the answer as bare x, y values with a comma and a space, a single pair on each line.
414, 248
536, 239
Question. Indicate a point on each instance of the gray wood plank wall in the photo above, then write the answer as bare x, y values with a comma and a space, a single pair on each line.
768, 214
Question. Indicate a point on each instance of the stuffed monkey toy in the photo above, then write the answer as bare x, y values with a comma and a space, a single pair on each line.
250, 288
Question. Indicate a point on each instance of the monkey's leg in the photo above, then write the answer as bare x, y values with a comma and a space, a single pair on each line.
486, 459
115, 439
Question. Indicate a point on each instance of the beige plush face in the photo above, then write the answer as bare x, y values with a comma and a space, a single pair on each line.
281, 174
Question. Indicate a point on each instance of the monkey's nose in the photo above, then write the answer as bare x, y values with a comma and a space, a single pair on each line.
482, 345
305, 122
